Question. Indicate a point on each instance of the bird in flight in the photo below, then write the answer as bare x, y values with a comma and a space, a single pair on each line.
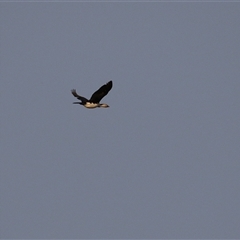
95, 99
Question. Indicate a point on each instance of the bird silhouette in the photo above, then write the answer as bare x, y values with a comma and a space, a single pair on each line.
96, 97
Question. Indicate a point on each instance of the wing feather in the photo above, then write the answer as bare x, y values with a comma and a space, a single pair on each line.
74, 93
101, 92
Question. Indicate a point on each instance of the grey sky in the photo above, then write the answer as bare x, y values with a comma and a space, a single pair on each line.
162, 162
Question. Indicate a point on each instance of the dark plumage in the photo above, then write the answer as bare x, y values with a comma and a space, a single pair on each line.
97, 96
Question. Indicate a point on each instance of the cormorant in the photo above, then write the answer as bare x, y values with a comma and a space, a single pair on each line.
93, 102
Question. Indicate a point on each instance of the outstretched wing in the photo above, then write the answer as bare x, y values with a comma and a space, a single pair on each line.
101, 92
74, 93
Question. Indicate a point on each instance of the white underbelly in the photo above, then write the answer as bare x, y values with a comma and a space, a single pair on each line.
91, 105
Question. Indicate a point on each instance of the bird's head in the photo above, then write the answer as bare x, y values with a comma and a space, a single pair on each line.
103, 105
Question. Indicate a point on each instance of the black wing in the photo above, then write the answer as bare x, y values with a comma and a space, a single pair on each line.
101, 92
74, 93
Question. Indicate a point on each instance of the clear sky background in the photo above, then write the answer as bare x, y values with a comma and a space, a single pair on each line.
162, 162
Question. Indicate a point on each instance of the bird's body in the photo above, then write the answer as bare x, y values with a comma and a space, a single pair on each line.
95, 99
91, 105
